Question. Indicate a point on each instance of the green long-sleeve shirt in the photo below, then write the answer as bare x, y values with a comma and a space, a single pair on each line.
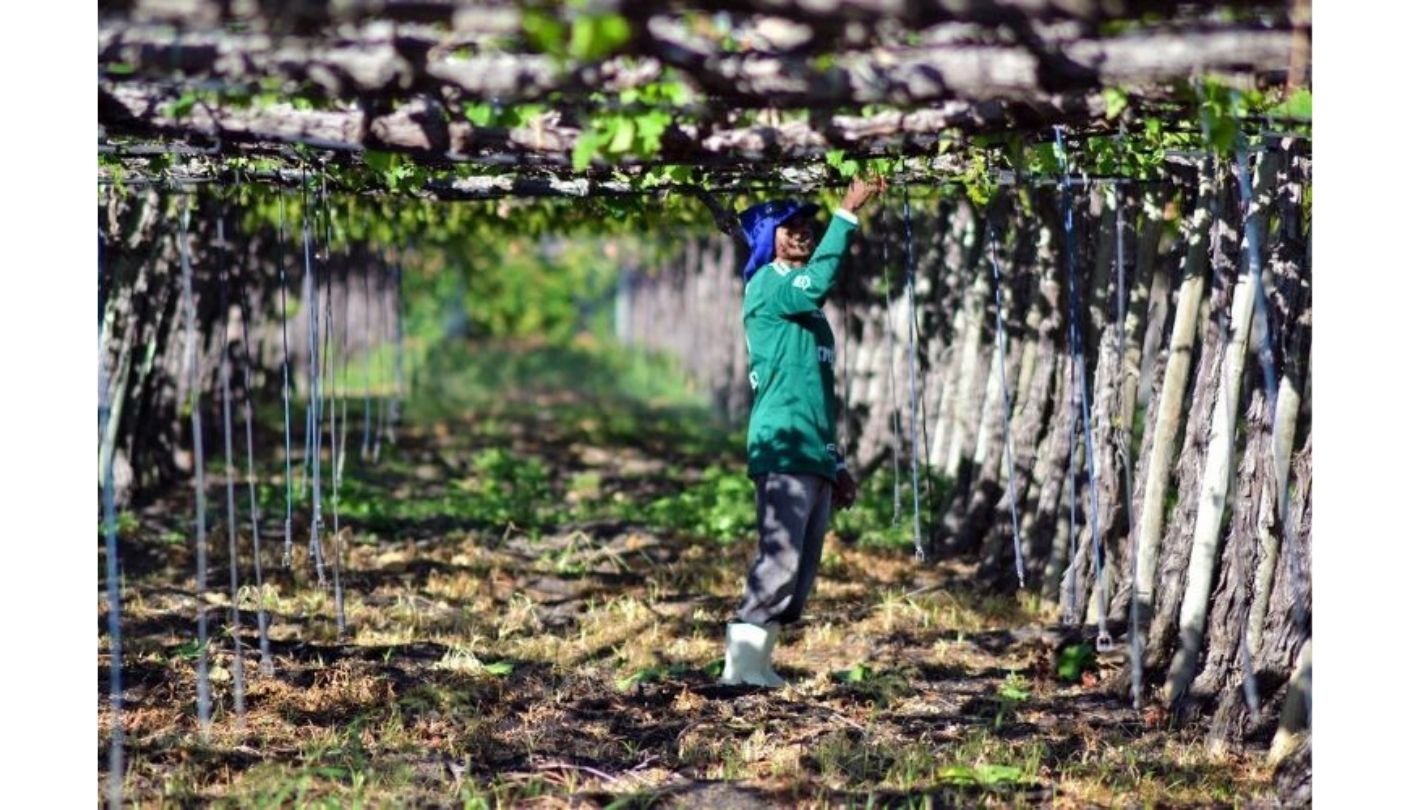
793, 425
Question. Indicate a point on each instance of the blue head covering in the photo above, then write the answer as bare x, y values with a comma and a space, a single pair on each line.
760, 222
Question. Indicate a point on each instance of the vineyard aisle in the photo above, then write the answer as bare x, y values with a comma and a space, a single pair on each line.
767, 403
575, 653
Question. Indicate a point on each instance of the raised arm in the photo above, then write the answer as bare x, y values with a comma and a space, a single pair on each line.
810, 286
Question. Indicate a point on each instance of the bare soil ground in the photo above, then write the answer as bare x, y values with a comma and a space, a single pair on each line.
571, 660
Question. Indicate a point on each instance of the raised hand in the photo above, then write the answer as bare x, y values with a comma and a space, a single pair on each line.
862, 190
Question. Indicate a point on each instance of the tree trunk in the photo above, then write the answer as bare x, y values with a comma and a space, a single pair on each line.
1289, 620
1032, 403
1099, 346
1290, 309
1221, 681
1161, 433
1293, 720
1293, 776
1176, 544
965, 269
1149, 300
1045, 528
1219, 458
1156, 213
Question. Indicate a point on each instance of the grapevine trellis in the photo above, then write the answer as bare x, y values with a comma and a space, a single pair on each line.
1028, 140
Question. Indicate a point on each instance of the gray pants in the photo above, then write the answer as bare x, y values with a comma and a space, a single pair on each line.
793, 512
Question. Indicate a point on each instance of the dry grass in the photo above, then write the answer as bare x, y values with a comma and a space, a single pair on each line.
483, 669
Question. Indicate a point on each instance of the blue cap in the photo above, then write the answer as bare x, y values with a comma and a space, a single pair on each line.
760, 222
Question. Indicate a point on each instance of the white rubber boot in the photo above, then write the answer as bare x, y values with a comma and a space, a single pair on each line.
748, 649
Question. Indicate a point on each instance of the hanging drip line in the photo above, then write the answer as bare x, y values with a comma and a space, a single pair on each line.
399, 390
930, 500
284, 368
1255, 273
1254, 242
315, 389
1069, 577
366, 361
895, 415
1080, 362
327, 379
203, 684
844, 379
105, 413
381, 311
920, 431
310, 309
1000, 334
1123, 441
266, 661
337, 443
920, 543
345, 279
232, 537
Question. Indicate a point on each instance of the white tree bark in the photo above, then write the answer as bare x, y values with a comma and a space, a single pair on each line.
1295, 704
1269, 540
1218, 464
1150, 527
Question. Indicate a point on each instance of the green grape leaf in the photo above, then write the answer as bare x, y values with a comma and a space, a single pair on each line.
623, 133
1116, 102
479, 114
544, 31
596, 36
587, 147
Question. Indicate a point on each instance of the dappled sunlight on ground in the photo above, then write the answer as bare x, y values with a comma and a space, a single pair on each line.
524, 627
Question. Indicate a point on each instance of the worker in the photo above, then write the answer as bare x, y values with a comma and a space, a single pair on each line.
799, 472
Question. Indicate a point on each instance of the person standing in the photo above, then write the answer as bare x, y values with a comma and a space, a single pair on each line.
798, 471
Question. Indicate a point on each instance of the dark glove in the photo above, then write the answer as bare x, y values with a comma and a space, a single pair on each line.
844, 490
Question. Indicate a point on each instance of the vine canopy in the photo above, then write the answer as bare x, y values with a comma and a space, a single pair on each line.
447, 99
